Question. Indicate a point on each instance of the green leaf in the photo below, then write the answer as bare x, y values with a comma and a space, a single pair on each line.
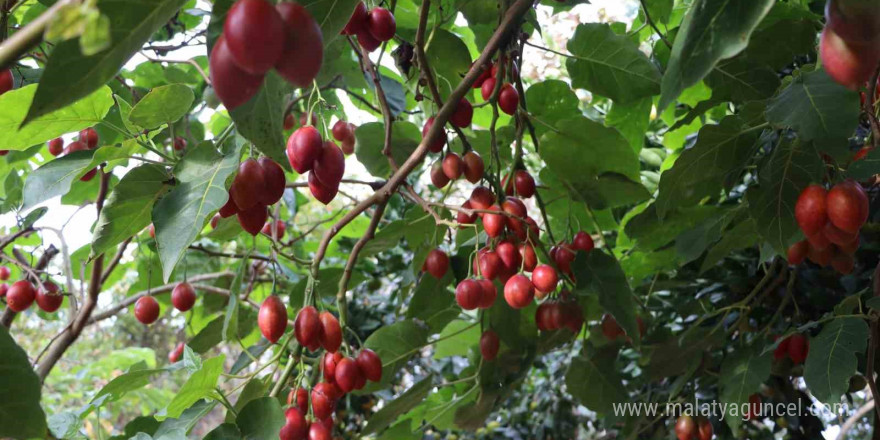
449, 57
165, 104
741, 236
673, 356
741, 376
712, 164
594, 381
865, 168
176, 428
261, 419
713, 30
254, 389
395, 344
96, 35
432, 303
739, 80
399, 406
631, 120
792, 167
128, 208
137, 377
55, 178
261, 119
226, 431
69, 75
600, 274
199, 385
816, 107
582, 149
20, 413
610, 65
457, 339
331, 15
833, 358
405, 137
649, 232
180, 215
551, 101
230, 320
84, 113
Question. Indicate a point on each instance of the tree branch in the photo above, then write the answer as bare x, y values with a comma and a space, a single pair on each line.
29, 36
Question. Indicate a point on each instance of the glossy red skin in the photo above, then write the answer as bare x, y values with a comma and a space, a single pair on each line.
296, 427
482, 198
542, 314
299, 396
89, 175
487, 299
3, 289
524, 183
849, 64
489, 345
321, 192
49, 300
519, 291
331, 333
464, 218
272, 318
232, 85
368, 41
179, 144
318, 431
249, 184
228, 209
842, 262
464, 114
216, 219
855, 21
582, 242
822, 257
545, 278
494, 223
440, 142
489, 264
555, 316
818, 241
438, 176
810, 210
175, 354
357, 21
303, 50
56, 146
348, 146
304, 147
473, 166
563, 256
329, 366
487, 88
798, 348
323, 402
6, 82
515, 207
90, 137
781, 349
529, 257
75, 146
452, 166
484, 75
289, 122
255, 35
847, 207
347, 372
685, 428
308, 327
850, 248
330, 167
273, 176
370, 365
468, 294
573, 317
342, 131
610, 328
508, 99
509, 254
797, 252
836, 235
4, 273
381, 24
252, 220
280, 229
437, 263
146, 310
183, 297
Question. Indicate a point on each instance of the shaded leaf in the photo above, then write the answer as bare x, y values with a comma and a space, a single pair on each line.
833, 358
741, 376
20, 413
261, 419
600, 274
199, 385
405, 137
165, 104
594, 381
816, 107
397, 407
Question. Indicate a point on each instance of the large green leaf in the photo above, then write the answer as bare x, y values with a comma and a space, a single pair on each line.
816, 107
395, 344
610, 65
551, 101
261, 119
83, 113
56, 177
713, 30
582, 149
331, 15
165, 104
20, 413
199, 385
595, 382
739, 80
793, 166
631, 120
457, 338
600, 274
833, 358
226, 431
69, 75
261, 419
180, 215
741, 376
449, 57
128, 208
742, 235
402, 404
712, 164
405, 137
432, 303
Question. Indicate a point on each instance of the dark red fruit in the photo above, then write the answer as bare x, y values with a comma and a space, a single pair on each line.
468, 294
818, 241
304, 147
452, 166
489, 264
296, 427
232, 85
183, 296
331, 333
438, 176
6, 83
255, 34
252, 220
146, 309
300, 397
489, 344
229, 209
303, 50
348, 146
323, 401
487, 88
328, 364
822, 257
582, 242
330, 167
850, 248
249, 185
524, 184
482, 198
90, 137
464, 218
837, 236
437, 263
850, 64
347, 372
4, 273
370, 365
754, 408
685, 428
381, 24
781, 349
494, 223
797, 252
509, 254
318, 431
563, 256
289, 122
519, 291
610, 328
810, 209
473, 166
152, 231
279, 229
517, 209
3, 289
508, 99
308, 327
342, 131
56, 146
272, 318
179, 144
529, 258
368, 41
357, 21
485, 74
545, 278
464, 114
489, 293
842, 262
847, 207
48, 298
798, 348
322, 193
437, 145
174, 355
542, 316
273, 176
